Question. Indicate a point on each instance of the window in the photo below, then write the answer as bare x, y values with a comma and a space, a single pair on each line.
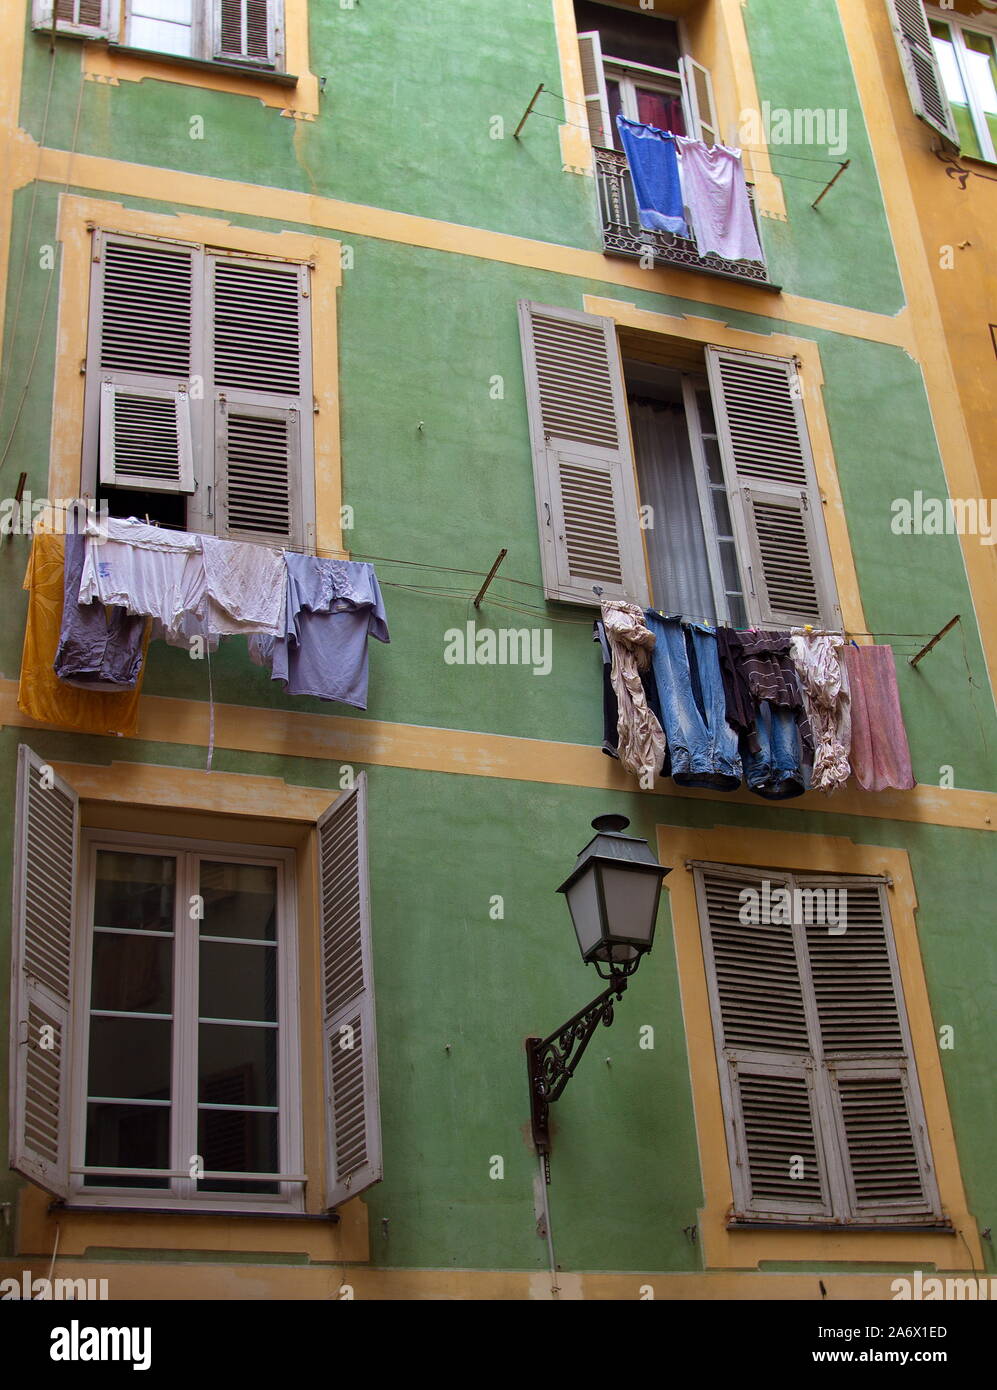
633, 64
728, 512
919, 58
247, 33
823, 1112
198, 407
967, 60
186, 1021
156, 1012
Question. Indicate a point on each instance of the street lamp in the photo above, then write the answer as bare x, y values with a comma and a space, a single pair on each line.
613, 894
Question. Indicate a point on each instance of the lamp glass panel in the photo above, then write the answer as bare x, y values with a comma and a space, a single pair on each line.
631, 902
583, 904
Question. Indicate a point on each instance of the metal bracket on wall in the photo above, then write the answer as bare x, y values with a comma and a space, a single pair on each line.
937, 638
830, 183
526, 113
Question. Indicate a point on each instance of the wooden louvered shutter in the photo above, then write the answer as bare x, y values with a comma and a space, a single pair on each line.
867, 1053
244, 31
140, 359
594, 90
261, 386
775, 502
697, 97
767, 1072
44, 909
583, 465
353, 1122
86, 17
920, 67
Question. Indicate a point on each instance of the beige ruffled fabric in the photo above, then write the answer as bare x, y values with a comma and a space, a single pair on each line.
819, 661
641, 738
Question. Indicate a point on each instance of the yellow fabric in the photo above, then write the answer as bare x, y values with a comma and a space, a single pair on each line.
41, 695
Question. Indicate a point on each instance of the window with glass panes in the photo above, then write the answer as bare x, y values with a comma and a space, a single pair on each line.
967, 60
187, 1009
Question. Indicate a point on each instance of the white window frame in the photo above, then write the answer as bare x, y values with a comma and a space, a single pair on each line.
691, 383
182, 1194
631, 75
958, 26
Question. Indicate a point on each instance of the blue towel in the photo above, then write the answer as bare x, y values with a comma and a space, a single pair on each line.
654, 169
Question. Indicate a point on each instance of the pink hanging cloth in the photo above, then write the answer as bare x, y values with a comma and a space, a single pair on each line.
880, 754
717, 198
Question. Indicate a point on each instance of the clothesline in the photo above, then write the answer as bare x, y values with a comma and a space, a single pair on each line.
573, 125
481, 574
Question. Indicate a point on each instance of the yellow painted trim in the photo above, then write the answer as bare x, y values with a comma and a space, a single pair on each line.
103, 64
716, 333
815, 854
331, 1241
868, 44
219, 1282
76, 216
376, 743
720, 43
576, 144
182, 788
288, 206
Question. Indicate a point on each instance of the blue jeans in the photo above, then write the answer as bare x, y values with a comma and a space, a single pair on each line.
776, 771
701, 744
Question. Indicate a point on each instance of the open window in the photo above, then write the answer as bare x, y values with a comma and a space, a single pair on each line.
686, 482
920, 56
633, 64
156, 1014
246, 33
966, 53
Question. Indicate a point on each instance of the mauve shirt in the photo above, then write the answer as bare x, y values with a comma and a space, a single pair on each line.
333, 606
99, 648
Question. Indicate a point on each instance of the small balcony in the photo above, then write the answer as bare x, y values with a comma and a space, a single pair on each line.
622, 234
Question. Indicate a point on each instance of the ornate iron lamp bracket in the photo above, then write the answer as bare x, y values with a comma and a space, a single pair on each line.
552, 1061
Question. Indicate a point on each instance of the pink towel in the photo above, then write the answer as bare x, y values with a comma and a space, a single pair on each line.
880, 755
717, 198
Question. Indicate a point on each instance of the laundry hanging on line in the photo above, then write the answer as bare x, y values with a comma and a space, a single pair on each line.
674, 175
773, 708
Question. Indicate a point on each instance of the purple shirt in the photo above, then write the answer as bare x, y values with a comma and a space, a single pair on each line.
333, 606
99, 649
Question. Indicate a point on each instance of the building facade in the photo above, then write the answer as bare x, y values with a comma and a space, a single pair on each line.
324, 276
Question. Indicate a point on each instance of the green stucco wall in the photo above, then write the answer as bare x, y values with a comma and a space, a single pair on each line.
422, 335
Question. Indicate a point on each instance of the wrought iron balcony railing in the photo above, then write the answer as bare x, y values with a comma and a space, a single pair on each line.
622, 234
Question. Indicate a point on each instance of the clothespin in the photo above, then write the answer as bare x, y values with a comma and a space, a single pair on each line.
807, 627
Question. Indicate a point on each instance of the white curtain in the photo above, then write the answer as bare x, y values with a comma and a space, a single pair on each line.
676, 549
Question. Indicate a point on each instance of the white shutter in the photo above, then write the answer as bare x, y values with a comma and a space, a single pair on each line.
583, 467
920, 66
47, 824
245, 31
865, 1043
261, 379
814, 1051
143, 350
353, 1123
767, 1072
697, 98
775, 502
594, 90
145, 439
88, 18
